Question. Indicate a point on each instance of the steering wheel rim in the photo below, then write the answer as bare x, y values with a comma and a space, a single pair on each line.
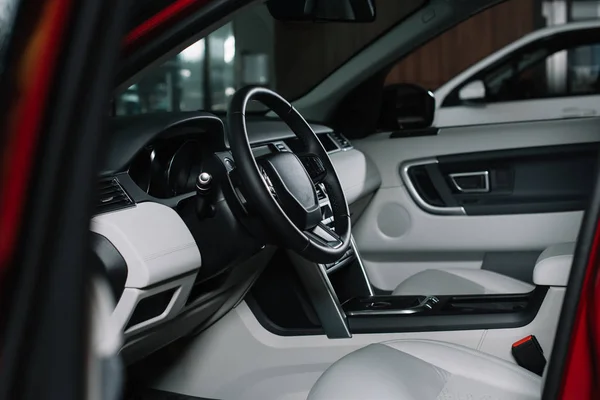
305, 242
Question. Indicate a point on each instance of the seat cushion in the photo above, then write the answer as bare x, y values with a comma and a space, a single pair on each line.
424, 370
457, 281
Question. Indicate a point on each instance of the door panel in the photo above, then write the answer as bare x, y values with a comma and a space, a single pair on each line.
530, 180
518, 111
547, 168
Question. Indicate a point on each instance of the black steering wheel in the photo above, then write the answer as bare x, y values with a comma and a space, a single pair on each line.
281, 186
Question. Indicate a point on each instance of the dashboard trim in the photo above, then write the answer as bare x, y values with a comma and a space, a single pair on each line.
154, 241
132, 296
130, 134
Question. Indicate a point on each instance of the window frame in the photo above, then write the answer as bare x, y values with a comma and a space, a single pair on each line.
556, 42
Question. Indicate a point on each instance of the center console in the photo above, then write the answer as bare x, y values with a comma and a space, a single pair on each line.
378, 314
295, 296
345, 302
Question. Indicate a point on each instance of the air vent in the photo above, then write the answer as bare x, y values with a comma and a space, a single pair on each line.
341, 140
111, 196
151, 307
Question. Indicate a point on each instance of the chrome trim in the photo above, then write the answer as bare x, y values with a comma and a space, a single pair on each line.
325, 201
408, 311
360, 264
415, 195
339, 265
425, 305
484, 174
326, 234
338, 144
326, 220
349, 260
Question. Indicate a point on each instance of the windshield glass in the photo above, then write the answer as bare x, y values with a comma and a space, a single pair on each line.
254, 49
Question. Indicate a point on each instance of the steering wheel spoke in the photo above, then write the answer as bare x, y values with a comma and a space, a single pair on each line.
314, 167
325, 235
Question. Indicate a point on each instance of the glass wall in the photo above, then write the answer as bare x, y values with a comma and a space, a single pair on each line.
575, 69
200, 77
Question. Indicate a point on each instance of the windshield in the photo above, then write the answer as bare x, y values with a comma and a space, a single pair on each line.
255, 49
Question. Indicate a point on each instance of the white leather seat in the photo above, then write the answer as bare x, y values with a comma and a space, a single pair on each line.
424, 370
457, 281
552, 268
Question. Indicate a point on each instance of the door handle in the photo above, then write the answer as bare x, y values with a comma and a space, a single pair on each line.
574, 112
471, 182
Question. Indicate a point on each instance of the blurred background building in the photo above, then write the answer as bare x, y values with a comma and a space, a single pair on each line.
254, 49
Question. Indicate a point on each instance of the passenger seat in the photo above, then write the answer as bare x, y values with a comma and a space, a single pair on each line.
552, 268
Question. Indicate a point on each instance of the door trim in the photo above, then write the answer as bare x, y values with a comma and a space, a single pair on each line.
404, 169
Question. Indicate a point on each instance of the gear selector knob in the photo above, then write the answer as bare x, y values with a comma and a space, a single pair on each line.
203, 198
203, 181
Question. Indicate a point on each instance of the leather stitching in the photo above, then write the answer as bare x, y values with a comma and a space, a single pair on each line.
165, 252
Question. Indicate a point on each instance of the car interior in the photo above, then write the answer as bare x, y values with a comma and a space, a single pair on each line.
316, 247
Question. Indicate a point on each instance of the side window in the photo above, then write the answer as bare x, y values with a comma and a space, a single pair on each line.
572, 71
583, 74
550, 69
522, 77
200, 77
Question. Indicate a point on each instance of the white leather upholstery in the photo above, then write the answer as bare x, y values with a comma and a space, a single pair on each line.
357, 174
553, 266
457, 281
154, 241
424, 370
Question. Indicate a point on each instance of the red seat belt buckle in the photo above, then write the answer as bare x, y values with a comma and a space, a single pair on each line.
529, 354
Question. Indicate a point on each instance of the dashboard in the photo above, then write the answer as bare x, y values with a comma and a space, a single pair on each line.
171, 270
168, 165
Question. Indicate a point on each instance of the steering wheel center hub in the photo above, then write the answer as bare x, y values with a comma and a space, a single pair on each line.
293, 187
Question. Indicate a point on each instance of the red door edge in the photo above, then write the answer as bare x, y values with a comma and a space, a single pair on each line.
35, 69
165, 16
580, 373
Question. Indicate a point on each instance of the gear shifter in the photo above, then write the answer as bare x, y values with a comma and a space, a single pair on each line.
204, 208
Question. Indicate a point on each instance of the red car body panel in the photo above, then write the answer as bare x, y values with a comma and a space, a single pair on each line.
36, 65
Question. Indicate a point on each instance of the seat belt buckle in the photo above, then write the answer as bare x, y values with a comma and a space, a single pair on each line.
529, 354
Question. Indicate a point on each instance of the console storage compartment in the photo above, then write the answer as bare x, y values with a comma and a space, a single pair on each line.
389, 305
429, 313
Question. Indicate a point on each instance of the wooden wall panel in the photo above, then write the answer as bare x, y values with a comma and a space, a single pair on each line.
308, 52
449, 54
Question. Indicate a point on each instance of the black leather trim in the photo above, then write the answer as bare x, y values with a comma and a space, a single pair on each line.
450, 321
107, 255
518, 181
129, 134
